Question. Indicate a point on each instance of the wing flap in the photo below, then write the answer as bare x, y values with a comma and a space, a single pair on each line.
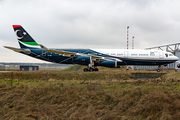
64, 53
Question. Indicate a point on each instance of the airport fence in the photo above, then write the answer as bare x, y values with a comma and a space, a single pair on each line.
40, 68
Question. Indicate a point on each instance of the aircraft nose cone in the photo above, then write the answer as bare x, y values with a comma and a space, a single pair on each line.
176, 58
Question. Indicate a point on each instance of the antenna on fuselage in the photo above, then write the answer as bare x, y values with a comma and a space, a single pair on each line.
133, 42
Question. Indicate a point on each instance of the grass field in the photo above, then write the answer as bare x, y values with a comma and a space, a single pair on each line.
103, 95
81, 68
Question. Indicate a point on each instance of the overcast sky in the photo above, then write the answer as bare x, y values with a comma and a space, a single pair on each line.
89, 24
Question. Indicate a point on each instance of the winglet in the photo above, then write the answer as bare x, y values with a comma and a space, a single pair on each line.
43, 47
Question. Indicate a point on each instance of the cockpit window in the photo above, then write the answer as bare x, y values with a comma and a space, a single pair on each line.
171, 55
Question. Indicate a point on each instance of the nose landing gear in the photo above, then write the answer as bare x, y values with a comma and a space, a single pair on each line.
158, 70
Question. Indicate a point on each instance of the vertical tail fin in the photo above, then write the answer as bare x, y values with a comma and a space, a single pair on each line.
24, 39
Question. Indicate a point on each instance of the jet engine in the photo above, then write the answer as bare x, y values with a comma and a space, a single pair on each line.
82, 60
178, 65
112, 64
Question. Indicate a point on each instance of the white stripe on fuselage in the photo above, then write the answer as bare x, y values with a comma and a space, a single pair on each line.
137, 54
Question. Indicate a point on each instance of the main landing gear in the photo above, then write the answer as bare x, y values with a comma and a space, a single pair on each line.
91, 68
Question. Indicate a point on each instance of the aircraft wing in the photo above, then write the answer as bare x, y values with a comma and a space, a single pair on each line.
64, 53
72, 54
18, 50
104, 58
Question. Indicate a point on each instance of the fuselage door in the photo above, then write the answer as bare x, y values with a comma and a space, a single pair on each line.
161, 55
126, 54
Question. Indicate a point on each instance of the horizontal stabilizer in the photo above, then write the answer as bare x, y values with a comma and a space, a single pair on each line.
18, 50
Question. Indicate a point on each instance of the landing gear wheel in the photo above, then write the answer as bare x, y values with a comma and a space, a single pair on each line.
85, 69
127, 68
158, 70
91, 69
96, 69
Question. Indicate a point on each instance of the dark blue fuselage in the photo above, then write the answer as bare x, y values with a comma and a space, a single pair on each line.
57, 58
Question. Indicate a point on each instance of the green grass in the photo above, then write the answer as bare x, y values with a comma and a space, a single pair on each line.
65, 100
72, 68
79, 95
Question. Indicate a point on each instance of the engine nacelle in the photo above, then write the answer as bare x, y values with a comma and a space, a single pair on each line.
112, 64
82, 60
178, 65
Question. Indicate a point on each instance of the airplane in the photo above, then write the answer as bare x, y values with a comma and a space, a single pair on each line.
113, 58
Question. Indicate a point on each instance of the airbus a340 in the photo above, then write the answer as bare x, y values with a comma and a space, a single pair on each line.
90, 57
